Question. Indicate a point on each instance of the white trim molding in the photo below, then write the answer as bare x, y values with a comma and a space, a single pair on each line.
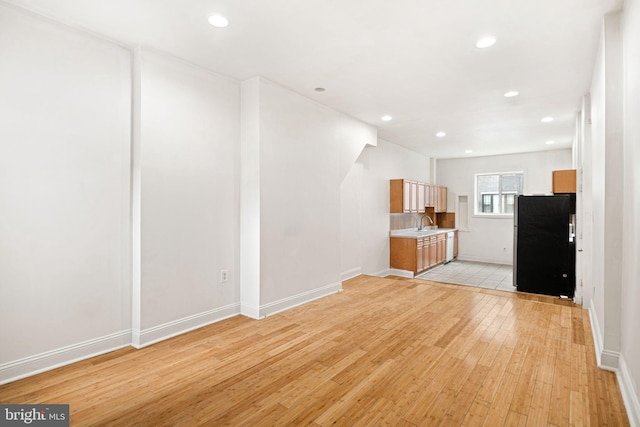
607, 359
272, 308
614, 361
629, 394
350, 274
402, 273
483, 259
167, 330
249, 310
32, 365
382, 273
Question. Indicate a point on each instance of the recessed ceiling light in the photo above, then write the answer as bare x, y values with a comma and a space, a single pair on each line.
485, 42
468, 151
441, 134
546, 119
511, 94
218, 21
550, 142
319, 89
386, 118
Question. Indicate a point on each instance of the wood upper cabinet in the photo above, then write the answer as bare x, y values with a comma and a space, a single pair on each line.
399, 196
429, 195
421, 197
564, 181
406, 196
440, 199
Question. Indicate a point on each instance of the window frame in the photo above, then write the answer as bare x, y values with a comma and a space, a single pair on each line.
501, 195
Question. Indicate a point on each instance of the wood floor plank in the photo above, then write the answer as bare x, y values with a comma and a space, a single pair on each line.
385, 351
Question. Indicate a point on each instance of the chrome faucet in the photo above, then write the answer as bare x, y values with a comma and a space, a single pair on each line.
421, 223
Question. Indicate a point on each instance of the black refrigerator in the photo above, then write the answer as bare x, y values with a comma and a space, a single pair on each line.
543, 248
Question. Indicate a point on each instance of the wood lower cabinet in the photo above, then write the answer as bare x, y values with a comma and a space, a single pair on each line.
417, 255
420, 255
433, 252
403, 253
441, 248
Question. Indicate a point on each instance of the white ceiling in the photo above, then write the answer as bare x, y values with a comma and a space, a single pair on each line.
415, 60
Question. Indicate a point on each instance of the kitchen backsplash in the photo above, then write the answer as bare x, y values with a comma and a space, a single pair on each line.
411, 220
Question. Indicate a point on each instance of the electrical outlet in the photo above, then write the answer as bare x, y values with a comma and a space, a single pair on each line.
224, 276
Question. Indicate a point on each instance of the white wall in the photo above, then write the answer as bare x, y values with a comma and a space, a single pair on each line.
611, 186
365, 205
64, 194
630, 315
491, 239
607, 184
304, 149
189, 168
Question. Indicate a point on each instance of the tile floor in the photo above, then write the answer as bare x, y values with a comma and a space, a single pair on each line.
469, 273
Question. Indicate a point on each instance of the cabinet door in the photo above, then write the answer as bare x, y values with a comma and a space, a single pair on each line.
564, 181
426, 248
421, 202
444, 199
441, 246
419, 256
441, 199
402, 253
414, 197
433, 251
406, 196
432, 196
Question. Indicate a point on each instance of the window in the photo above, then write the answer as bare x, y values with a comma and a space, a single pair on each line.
496, 192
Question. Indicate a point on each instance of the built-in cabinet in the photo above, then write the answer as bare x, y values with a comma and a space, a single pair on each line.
441, 202
419, 254
564, 181
413, 197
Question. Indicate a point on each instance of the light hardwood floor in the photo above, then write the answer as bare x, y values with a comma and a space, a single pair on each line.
384, 351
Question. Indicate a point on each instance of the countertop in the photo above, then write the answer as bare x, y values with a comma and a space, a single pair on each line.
414, 233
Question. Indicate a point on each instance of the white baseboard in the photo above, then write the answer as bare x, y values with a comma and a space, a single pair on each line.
607, 359
483, 259
350, 274
171, 329
382, 273
629, 394
401, 273
250, 311
299, 299
46, 361
614, 361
